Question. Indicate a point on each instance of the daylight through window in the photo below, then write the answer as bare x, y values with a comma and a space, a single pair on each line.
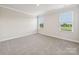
66, 21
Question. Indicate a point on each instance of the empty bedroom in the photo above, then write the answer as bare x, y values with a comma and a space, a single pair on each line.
39, 29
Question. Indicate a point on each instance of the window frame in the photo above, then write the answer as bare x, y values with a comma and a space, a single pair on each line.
71, 22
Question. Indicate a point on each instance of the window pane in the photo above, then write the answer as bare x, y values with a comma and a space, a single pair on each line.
40, 21
66, 21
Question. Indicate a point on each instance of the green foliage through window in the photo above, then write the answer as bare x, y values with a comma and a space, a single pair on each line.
66, 21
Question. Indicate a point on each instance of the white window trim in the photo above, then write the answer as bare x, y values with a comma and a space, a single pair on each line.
72, 21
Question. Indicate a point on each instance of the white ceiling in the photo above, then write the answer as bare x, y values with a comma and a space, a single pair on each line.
33, 9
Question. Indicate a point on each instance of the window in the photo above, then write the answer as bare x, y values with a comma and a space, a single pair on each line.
40, 21
66, 21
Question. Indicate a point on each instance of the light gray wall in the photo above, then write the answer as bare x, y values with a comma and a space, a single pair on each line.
14, 24
51, 25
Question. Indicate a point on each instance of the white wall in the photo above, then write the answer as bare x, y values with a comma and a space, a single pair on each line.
51, 25
14, 24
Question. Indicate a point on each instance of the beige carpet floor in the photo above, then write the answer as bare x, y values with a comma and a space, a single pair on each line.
38, 44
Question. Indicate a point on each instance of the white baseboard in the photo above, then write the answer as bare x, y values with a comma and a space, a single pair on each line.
67, 39
34, 32
18, 36
61, 38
